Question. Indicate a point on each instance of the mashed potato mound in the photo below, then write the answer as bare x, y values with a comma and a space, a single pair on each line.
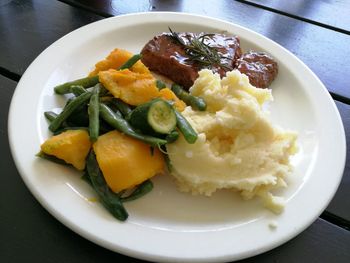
237, 147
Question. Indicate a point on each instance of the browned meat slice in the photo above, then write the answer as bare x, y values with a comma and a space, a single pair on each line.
260, 68
166, 56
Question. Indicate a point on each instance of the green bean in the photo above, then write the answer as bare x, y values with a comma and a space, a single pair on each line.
160, 84
123, 126
77, 90
50, 115
140, 191
130, 62
86, 178
108, 198
85, 82
94, 122
172, 136
168, 163
193, 101
186, 129
122, 107
67, 111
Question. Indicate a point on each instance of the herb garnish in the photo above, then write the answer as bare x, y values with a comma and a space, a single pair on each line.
199, 51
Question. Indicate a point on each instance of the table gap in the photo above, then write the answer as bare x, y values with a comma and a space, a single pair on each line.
335, 220
9, 74
86, 8
340, 98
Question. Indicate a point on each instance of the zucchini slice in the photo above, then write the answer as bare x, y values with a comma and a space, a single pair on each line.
155, 116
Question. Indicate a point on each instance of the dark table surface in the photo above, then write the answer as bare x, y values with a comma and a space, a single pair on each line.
318, 32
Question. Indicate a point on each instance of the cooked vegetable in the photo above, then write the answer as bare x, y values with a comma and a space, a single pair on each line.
186, 129
154, 116
131, 87
131, 61
126, 162
76, 102
85, 82
167, 94
122, 107
140, 191
195, 102
116, 59
123, 126
110, 200
172, 136
50, 158
50, 115
122, 158
72, 146
78, 118
103, 91
77, 90
94, 121
160, 84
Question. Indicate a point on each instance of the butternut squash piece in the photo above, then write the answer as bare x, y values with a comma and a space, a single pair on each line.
72, 146
125, 161
116, 59
168, 94
131, 87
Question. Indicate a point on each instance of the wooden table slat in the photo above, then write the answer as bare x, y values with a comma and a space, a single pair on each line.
31, 26
334, 13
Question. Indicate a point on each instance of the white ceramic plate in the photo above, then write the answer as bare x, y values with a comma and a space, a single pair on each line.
167, 225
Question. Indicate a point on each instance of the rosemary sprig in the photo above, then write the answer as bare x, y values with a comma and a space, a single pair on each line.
201, 52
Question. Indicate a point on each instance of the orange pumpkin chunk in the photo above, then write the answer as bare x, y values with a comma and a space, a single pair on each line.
126, 162
72, 146
168, 94
131, 87
116, 59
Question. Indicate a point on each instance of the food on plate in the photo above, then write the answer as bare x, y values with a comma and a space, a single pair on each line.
196, 103
72, 146
134, 85
113, 126
126, 162
117, 60
180, 56
260, 68
237, 147
124, 124
155, 116
131, 87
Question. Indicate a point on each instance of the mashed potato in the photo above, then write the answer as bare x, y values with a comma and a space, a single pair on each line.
237, 147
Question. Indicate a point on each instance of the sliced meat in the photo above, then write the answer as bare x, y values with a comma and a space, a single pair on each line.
260, 68
166, 56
